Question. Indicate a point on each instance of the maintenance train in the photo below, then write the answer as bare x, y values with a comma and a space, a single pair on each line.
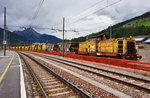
124, 48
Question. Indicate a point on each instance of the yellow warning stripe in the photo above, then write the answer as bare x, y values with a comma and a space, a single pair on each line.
1, 78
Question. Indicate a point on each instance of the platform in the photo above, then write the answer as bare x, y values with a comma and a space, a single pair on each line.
11, 76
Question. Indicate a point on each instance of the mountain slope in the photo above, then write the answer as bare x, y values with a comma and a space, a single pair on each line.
137, 26
27, 36
142, 17
50, 38
34, 36
28, 33
12, 38
140, 20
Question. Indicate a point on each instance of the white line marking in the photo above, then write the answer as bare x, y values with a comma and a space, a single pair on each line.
22, 82
4, 56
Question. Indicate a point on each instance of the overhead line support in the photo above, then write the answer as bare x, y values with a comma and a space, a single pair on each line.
4, 38
63, 36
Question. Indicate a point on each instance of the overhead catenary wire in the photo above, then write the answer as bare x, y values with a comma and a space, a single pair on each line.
57, 29
67, 24
3, 5
87, 9
96, 11
36, 12
80, 12
15, 20
53, 29
59, 23
137, 11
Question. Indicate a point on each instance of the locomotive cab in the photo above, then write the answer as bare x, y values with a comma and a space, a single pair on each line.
127, 49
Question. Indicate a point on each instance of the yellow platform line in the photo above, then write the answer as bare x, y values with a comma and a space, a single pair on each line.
1, 78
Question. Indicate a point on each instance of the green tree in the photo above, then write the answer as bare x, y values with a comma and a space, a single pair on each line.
22, 43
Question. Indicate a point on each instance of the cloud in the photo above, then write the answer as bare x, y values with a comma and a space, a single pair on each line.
84, 16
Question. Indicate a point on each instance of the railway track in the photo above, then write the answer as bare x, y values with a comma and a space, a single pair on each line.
135, 82
50, 83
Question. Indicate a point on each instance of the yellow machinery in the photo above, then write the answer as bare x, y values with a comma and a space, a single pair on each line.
107, 47
26, 47
10, 47
19, 47
44, 47
39, 47
87, 47
119, 47
22, 47
36, 47
96, 46
90, 46
32, 47
16, 47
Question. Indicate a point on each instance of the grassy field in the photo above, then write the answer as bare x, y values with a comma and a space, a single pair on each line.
143, 36
139, 22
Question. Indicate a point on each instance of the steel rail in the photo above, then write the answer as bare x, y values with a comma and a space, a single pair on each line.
99, 74
49, 57
35, 77
74, 87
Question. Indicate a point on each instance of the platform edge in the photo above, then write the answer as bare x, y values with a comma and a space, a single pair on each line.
22, 81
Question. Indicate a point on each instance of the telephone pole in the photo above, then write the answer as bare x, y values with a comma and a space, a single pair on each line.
4, 38
110, 32
63, 36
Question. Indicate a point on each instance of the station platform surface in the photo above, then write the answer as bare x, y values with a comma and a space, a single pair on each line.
11, 76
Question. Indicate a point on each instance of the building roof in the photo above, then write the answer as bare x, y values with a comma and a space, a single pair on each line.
147, 41
139, 39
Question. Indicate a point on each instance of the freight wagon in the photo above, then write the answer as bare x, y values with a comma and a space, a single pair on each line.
124, 48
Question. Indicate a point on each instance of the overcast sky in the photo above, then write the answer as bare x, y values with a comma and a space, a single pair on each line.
85, 16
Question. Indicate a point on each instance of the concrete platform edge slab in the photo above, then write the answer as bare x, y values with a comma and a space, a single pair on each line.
22, 81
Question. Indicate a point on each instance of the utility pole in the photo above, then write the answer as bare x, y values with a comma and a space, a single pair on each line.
4, 38
110, 32
63, 36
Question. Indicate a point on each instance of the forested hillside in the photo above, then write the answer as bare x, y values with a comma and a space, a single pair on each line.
138, 26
